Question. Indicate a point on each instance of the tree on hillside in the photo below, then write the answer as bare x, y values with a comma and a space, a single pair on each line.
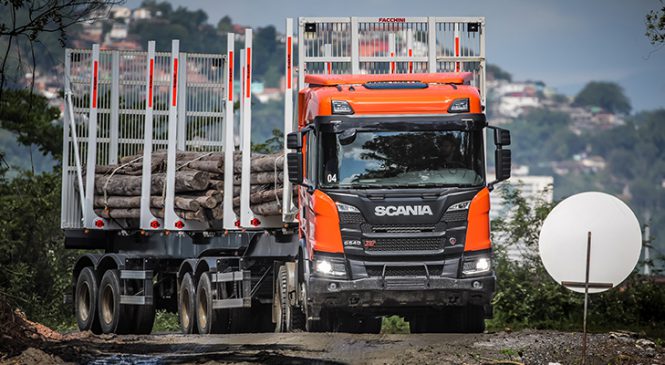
23, 24
32, 119
498, 73
607, 95
655, 22
225, 25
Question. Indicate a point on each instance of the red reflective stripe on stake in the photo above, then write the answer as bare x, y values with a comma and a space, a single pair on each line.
248, 89
94, 85
230, 61
392, 64
150, 82
175, 82
329, 67
410, 63
456, 53
288, 63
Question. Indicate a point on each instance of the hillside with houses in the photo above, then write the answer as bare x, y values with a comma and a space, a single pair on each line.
562, 144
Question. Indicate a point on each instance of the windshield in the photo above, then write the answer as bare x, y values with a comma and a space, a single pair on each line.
401, 158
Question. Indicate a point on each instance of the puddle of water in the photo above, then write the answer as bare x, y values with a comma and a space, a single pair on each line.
127, 360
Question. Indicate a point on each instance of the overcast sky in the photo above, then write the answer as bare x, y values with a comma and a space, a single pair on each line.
564, 43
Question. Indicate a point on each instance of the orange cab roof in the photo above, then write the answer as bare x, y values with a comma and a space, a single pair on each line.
458, 78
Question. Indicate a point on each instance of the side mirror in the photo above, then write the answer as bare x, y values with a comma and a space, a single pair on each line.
347, 136
501, 137
294, 165
294, 141
503, 164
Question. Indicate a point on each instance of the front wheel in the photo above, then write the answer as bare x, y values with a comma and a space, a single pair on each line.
289, 318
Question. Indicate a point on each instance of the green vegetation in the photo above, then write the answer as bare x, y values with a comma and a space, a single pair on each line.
191, 27
655, 23
607, 95
499, 73
527, 297
394, 324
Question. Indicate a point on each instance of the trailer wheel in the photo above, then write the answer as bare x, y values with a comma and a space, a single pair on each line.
113, 316
187, 305
144, 319
85, 301
208, 320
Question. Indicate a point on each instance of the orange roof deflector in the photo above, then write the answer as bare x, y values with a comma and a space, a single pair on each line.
458, 78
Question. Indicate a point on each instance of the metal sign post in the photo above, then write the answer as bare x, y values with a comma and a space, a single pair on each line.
586, 285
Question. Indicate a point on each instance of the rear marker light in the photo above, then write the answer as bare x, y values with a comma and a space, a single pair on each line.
99, 223
237, 223
255, 222
154, 224
179, 225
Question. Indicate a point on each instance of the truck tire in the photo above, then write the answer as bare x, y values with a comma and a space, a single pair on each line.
208, 320
113, 316
187, 305
85, 301
289, 318
144, 319
474, 319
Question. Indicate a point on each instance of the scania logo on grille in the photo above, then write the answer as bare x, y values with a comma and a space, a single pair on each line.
392, 210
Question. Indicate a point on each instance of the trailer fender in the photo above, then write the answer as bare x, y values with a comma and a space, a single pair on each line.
187, 266
110, 262
205, 264
86, 260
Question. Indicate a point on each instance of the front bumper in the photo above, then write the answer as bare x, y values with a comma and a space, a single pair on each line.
398, 293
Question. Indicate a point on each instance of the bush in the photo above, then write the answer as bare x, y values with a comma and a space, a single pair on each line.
34, 265
527, 296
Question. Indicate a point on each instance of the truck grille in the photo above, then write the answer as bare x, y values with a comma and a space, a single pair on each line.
392, 228
457, 216
405, 244
351, 218
434, 270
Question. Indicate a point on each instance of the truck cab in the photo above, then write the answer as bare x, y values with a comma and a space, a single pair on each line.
394, 200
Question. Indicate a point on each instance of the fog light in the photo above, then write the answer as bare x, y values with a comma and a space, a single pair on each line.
477, 284
332, 287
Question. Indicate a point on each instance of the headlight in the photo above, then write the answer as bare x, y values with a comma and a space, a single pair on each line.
459, 206
345, 208
459, 106
341, 107
329, 267
477, 265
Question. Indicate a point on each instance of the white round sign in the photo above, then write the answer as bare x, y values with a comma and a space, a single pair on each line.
616, 241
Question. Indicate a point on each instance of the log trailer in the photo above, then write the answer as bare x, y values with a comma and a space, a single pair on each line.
385, 206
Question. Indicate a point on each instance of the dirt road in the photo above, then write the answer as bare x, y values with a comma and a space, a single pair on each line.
530, 347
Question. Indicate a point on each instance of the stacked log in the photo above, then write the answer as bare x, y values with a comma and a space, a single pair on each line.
199, 185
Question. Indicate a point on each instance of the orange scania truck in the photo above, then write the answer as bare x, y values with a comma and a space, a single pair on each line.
386, 198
